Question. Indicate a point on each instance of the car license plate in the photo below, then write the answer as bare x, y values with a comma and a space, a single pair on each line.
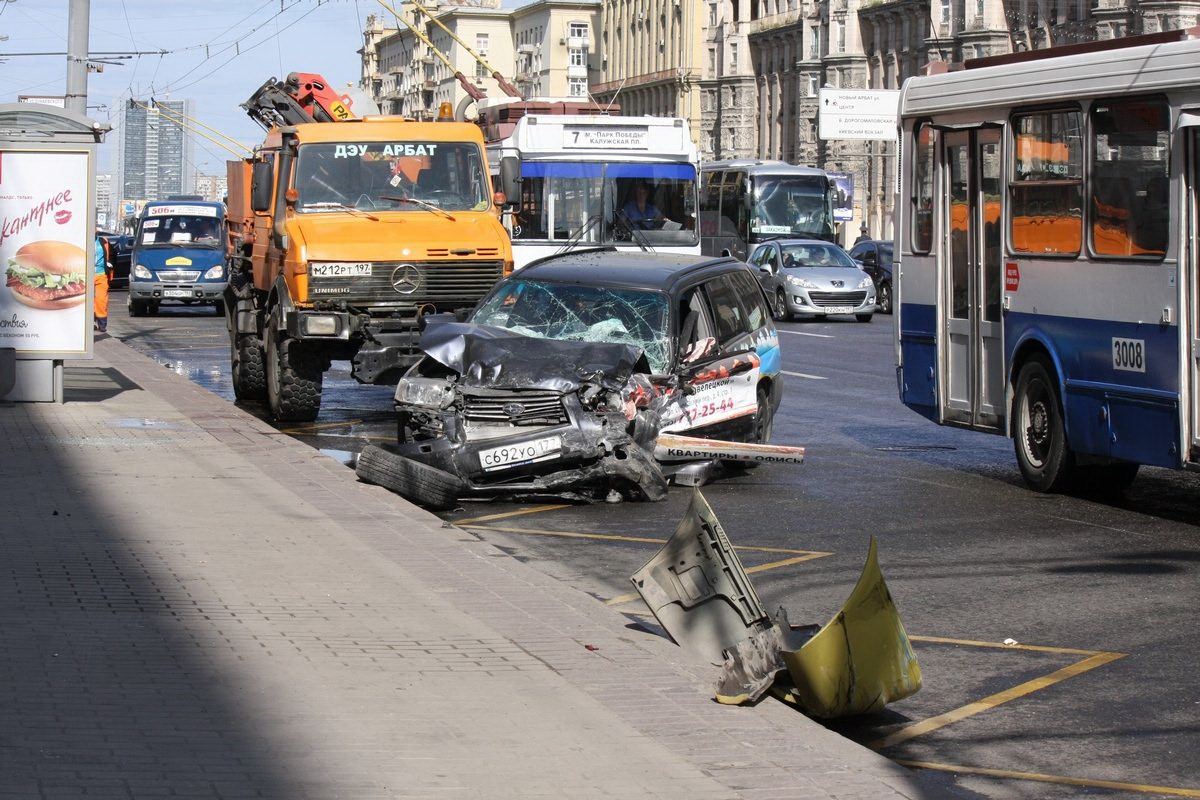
839, 309
341, 270
177, 293
524, 453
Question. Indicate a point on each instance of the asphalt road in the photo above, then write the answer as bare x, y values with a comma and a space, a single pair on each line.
1056, 634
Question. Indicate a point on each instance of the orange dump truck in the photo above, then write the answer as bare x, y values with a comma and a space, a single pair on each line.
343, 235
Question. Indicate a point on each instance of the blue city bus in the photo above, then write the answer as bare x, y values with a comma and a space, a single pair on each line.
1047, 284
179, 256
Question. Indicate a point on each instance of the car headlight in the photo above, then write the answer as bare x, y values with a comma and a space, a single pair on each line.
216, 273
434, 393
800, 283
141, 272
865, 283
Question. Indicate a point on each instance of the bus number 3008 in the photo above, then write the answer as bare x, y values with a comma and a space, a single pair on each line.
1129, 354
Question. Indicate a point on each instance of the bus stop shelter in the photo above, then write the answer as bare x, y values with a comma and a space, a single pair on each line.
47, 241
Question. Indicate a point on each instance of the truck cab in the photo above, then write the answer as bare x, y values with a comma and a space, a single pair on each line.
179, 255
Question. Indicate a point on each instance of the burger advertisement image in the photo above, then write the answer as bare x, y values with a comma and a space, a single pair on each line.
48, 274
47, 250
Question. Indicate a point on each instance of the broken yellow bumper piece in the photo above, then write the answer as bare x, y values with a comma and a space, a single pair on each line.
857, 663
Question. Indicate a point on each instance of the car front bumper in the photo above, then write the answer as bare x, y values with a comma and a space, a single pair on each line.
800, 301
157, 291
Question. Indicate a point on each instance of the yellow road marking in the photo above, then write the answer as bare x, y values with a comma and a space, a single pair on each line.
1061, 779
988, 703
1094, 659
1036, 648
508, 514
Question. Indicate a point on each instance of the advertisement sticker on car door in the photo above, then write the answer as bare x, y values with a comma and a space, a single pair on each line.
720, 391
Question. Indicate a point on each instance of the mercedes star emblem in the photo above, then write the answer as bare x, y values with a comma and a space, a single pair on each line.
406, 279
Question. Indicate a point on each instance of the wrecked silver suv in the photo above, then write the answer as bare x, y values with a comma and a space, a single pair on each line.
591, 375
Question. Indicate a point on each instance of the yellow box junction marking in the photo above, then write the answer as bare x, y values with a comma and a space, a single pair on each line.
1092, 660
798, 555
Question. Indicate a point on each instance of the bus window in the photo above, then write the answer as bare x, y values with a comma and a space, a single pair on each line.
922, 196
1047, 185
1129, 179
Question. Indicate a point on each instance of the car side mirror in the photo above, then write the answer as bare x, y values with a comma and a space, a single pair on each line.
868, 260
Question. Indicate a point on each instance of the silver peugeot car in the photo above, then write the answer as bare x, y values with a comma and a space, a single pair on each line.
812, 277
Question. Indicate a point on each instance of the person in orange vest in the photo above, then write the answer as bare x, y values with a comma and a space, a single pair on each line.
101, 279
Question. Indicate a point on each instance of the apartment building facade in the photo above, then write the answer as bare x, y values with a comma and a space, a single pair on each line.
543, 49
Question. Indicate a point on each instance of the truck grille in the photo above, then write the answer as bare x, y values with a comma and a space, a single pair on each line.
823, 299
403, 283
518, 408
178, 275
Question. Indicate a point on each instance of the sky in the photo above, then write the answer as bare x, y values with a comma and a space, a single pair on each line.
214, 52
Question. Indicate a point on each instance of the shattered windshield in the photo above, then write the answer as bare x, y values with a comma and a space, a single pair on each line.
391, 176
581, 313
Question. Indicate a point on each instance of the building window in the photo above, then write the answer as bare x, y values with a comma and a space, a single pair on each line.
733, 58
979, 10
814, 43
577, 87
481, 43
841, 37
945, 12
712, 15
712, 61
577, 57
811, 83
577, 30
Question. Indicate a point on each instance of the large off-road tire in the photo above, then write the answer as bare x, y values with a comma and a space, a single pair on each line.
247, 360
295, 375
412, 480
1039, 435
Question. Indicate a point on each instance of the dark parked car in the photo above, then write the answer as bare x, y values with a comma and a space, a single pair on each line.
814, 278
875, 255
566, 374
120, 247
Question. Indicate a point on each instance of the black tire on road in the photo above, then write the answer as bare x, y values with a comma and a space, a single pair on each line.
1039, 436
779, 309
294, 377
764, 423
247, 360
885, 299
412, 480
219, 307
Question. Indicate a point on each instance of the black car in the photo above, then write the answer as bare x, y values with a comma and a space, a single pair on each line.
120, 248
567, 373
875, 255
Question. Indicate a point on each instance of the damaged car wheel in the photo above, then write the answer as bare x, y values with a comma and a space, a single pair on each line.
412, 480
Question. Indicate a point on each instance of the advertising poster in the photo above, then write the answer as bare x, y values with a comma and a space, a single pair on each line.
47, 249
843, 196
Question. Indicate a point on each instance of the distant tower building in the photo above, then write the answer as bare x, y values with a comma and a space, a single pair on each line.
104, 205
156, 153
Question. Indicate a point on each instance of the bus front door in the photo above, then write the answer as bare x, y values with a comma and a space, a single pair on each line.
972, 341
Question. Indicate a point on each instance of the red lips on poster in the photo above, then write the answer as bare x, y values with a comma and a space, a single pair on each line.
62, 217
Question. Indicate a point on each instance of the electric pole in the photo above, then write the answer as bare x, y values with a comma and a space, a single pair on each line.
75, 98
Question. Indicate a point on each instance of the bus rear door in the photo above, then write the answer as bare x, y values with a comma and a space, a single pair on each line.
973, 349
1191, 262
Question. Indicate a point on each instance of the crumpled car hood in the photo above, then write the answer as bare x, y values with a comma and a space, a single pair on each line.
498, 358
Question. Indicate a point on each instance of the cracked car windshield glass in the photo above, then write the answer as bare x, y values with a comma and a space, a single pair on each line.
582, 313
391, 176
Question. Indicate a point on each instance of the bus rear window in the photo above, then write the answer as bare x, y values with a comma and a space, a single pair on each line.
1129, 179
1046, 190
